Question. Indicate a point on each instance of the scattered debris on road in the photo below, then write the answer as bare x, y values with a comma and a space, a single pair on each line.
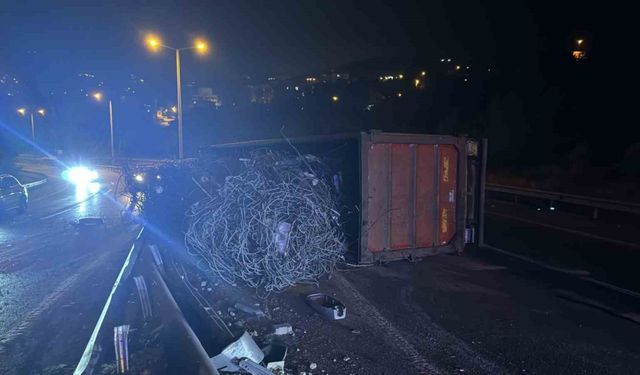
282, 329
121, 344
327, 306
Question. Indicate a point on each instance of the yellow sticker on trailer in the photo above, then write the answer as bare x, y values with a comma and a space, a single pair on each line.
444, 221
445, 169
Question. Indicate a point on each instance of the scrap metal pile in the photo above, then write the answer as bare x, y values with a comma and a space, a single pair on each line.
272, 225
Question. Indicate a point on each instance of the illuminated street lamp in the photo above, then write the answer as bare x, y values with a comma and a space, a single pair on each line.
98, 97
579, 42
200, 45
23, 112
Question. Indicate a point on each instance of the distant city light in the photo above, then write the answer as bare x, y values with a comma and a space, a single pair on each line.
423, 73
448, 60
22, 111
400, 76
578, 55
41, 111
399, 95
335, 98
311, 79
416, 82
580, 41
174, 109
441, 60
457, 67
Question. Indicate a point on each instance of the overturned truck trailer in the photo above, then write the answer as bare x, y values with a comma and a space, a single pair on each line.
403, 196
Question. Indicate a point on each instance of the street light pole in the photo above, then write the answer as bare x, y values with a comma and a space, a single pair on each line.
199, 46
33, 129
23, 112
98, 97
179, 88
113, 154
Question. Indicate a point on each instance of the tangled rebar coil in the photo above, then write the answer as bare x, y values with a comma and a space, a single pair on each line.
273, 225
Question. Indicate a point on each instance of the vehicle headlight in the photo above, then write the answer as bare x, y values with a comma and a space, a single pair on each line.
80, 175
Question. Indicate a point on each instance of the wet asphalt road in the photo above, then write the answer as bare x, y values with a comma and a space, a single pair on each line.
553, 238
44, 258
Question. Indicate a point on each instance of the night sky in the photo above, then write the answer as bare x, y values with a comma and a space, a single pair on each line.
526, 42
49, 39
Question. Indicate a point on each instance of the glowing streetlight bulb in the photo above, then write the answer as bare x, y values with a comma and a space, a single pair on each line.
97, 96
22, 111
153, 42
41, 111
335, 98
580, 41
201, 46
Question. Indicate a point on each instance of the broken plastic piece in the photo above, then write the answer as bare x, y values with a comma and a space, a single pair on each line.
242, 348
156, 256
327, 306
121, 344
282, 329
249, 309
274, 356
143, 295
253, 368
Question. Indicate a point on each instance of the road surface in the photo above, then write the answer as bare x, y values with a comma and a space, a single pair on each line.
48, 264
607, 249
479, 313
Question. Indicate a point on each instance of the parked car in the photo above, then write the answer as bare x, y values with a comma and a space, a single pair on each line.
13, 195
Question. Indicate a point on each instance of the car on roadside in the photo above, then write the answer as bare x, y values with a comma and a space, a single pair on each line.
13, 195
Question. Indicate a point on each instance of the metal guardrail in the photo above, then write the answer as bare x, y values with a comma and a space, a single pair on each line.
579, 200
35, 183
